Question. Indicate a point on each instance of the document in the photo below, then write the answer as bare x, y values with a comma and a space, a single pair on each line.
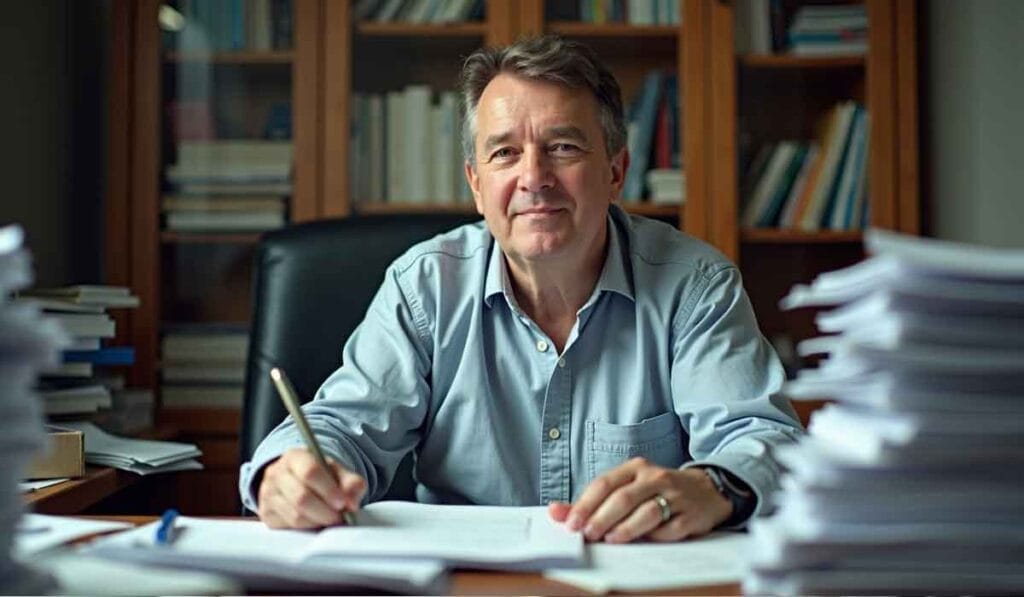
718, 558
38, 532
135, 455
477, 536
78, 574
264, 559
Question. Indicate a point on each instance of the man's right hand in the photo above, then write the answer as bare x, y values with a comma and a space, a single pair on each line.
297, 494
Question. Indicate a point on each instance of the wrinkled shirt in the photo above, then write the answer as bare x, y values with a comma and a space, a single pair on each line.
665, 361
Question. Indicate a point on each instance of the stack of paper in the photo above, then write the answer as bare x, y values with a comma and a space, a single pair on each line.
29, 342
136, 455
911, 481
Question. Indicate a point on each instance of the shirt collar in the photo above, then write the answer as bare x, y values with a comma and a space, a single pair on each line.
616, 275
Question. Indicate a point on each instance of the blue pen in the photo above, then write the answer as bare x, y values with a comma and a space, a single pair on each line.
167, 532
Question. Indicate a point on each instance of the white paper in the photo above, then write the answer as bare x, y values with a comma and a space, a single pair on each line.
78, 574
37, 532
28, 486
479, 536
265, 559
947, 256
718, 558
125, 450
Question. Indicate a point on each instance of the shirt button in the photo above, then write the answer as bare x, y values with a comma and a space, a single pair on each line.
542, 345
554, 433
561, 363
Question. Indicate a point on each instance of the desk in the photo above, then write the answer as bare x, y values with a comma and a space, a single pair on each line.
75, 495
476, 582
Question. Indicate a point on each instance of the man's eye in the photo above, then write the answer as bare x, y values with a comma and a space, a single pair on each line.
564, 148
503, 153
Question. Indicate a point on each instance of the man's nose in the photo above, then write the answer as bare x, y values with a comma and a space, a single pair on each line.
535, 174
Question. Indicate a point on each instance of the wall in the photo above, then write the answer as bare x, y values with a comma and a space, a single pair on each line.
973, 119
52, 101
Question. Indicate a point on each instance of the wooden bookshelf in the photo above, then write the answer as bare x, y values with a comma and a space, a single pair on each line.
373, 29
790, 61
576, 29
172, 237
778, 236
238, 57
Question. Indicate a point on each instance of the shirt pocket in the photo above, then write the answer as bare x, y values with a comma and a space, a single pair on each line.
658, 439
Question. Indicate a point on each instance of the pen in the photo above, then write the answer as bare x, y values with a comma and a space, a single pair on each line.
291, 402
167, 531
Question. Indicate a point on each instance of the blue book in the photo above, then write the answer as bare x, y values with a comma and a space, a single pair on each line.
111, 355
641, 135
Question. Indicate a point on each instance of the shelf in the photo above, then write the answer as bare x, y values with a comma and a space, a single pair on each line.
406, 207
779, 236
235, 57
577, 29
173, 237
651, 209
801, 62
372, 29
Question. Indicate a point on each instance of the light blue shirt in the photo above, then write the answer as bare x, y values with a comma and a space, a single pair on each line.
665, 361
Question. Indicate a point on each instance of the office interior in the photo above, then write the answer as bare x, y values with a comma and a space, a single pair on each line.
62, 104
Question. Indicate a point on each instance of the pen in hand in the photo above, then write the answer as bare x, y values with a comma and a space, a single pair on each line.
291, 402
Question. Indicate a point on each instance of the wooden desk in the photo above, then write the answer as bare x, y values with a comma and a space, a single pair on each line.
75, 495
477, 582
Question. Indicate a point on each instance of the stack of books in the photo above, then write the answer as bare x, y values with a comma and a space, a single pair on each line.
911, 481
419, 11
653, 140
812, 185
228, 186
203, 366
632, 12
391, 134
829, 30
75, 386
29, 342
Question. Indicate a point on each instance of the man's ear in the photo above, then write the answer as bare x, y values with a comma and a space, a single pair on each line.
619, 164
474, 185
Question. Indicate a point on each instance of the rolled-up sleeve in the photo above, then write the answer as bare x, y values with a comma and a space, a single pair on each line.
368, 414
725, 383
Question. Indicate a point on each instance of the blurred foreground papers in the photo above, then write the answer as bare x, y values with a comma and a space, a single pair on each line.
911, 480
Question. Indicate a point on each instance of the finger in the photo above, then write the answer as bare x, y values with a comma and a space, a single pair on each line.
352, 487
682, 526
559, 511
599, 490
283, 514
622, 503
645, 518
305, 501
304, 467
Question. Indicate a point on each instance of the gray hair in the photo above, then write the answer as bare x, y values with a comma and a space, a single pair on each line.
547, 58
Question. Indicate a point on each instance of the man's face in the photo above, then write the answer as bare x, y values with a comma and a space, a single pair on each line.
542, 179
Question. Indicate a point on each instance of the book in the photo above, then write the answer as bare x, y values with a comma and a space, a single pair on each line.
201, 396
833, 150
110, 355
86, 294
89, 325
208, 221
771, 180
226, 203
641, 134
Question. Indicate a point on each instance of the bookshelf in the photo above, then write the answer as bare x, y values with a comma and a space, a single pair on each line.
729, 103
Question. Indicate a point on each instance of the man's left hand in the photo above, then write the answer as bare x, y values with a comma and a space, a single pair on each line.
622, 506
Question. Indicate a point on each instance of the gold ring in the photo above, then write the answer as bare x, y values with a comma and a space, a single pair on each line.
666, 510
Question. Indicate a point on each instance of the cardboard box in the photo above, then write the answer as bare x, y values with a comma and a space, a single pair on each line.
65, 456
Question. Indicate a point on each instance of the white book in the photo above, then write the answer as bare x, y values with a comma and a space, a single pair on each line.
202, 221
192, 396
394, 148
376, 145
204, 372
447, 149
88, 325
416, 144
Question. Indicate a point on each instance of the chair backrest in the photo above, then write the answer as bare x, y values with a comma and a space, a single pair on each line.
312, 285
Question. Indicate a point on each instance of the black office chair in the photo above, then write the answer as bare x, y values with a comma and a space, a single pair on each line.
313, 283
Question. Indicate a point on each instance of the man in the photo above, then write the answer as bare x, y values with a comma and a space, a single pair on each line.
564, 354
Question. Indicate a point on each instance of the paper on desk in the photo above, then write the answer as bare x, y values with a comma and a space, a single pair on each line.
265, 559
28, 486
37, 532
78, 574
715, 559
478, 536
136, 455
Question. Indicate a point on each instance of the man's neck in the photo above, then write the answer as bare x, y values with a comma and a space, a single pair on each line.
551, 293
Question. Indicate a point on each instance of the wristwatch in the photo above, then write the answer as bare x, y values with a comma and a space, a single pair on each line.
736, 491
